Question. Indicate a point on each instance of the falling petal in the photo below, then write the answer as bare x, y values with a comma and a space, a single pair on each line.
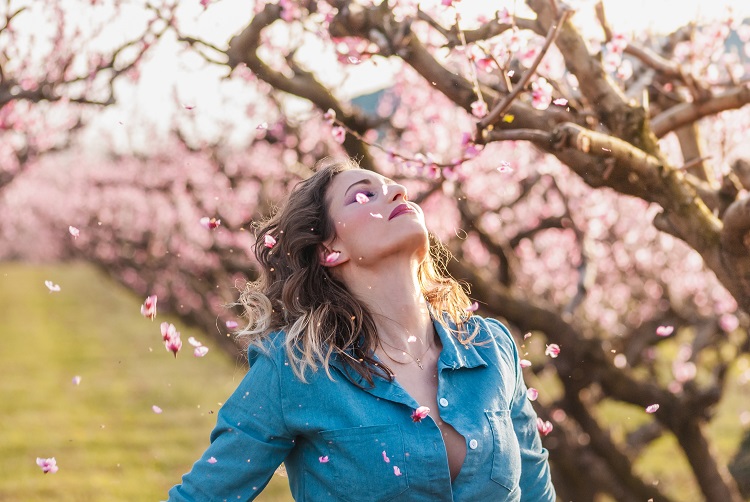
148, 309
473, 307
411, 339
362, 198
323, 459
269, 241
53, 288
195, 343
560, 101
420, 413
76, 380
232, 324
396, 470
527, 335
664, 330
156, 409
511, 73
652, 408
188, 107
200, 351
532, 394
211, 460
333, 256
74, 231
544, 427
525, 363
47, 464
385, 458
553, 350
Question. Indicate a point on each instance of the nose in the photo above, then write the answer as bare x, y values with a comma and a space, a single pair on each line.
395, 191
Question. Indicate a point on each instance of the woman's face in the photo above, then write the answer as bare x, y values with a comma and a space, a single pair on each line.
372, 219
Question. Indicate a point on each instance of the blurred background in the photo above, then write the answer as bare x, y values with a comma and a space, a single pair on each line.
585, 162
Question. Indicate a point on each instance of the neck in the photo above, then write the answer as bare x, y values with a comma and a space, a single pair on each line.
393, 296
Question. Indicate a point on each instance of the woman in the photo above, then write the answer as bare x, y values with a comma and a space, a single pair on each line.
417, 398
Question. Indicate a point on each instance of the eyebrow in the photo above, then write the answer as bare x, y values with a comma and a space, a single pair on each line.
366, 181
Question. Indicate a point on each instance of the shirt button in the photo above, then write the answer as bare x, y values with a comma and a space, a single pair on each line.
473, 444
443, 402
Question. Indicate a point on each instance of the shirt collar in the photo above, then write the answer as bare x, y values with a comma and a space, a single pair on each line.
456, 354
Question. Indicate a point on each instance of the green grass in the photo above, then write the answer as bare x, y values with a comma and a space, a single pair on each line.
109, 444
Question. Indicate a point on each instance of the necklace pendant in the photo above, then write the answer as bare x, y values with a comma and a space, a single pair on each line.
419, 363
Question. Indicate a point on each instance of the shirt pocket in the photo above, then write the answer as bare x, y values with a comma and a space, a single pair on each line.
359, 467
506, 454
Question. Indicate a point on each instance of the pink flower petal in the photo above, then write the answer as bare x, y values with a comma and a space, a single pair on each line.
195, 343
411, 339
47, 464
333, 256
232, 324
323, 459
396, 470
210, 223
74, 231
544, 427
420, 413
148, 309
76, 380
553, 350
473, 307
211, 460
200, 351
53, 288
532, 394
664, 330
156, 409
269, 241
525, 363
362, 198
329, 116
560, 101
652, 408
385, 458
479, 109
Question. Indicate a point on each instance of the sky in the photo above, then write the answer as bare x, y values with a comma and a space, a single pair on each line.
196, 82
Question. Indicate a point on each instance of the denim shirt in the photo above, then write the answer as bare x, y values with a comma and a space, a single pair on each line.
341, 442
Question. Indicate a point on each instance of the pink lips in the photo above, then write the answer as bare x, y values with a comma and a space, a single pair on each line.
401, 208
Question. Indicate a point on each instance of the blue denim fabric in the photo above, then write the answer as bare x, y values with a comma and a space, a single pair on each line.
272, 417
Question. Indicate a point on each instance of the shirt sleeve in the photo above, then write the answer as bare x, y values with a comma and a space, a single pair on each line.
536, 480
249, 442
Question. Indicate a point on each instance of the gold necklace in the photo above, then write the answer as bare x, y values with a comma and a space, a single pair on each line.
417, 360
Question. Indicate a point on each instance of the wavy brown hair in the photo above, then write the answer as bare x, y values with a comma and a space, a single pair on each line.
320, 317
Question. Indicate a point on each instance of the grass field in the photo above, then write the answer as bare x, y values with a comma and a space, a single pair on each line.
111, 446
108, 442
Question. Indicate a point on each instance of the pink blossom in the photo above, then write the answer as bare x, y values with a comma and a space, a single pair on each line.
560, 102
504, 17
74, 231
173, 345
210, 223
544, 427
552, 350
323, 459
652, 408
53, 288
479, 108
532, 394
396, 470
362, 198
232, 324
333, 255
385, 458
269, 241
205, 3
664, 330
200, 351
171, 338
168, 331
156, 409
212, 460
525, 363
541, 94
329, 116
47, 464
148, 309
472, 308
339, 134
420, 413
